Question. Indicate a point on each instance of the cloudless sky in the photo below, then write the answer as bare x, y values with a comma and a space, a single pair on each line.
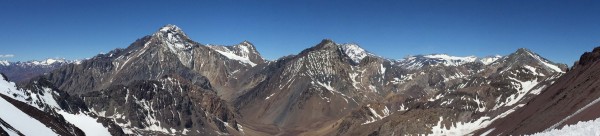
558, 30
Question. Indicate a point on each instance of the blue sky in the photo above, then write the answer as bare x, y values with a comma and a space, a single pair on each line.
558, 30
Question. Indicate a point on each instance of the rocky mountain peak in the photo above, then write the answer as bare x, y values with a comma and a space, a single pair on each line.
589, 57
528, 57
326, 44
247, 44
354, 51
170, 33
169, 28
523, 50
172, 37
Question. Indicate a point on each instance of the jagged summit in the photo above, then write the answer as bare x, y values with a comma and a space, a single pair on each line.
248, 44
326, 44
172, 37
171, 32
170, 28
524, 51
589, 57
525, 56
350, 50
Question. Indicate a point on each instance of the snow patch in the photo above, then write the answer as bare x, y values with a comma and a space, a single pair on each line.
236, 57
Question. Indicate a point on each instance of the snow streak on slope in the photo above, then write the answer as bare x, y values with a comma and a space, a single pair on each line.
576, 112
376, 116
236, 57
551, 66
583, 128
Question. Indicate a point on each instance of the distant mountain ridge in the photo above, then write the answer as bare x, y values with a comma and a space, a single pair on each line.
22, 71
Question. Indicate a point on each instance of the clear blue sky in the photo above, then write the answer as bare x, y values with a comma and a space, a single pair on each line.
558, 30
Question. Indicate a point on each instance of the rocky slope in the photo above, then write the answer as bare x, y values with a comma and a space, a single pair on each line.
573, 98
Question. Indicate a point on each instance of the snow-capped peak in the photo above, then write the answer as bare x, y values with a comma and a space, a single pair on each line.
355, 52
169, 28
49, 61
173, 37
245, 48
490, 59
4, 63
527, 56
451, 60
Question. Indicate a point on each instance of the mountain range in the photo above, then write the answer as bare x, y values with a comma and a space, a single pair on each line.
23, 71
167, 84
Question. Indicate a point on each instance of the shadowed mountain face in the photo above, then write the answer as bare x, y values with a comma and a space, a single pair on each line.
572, 98
167, 84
